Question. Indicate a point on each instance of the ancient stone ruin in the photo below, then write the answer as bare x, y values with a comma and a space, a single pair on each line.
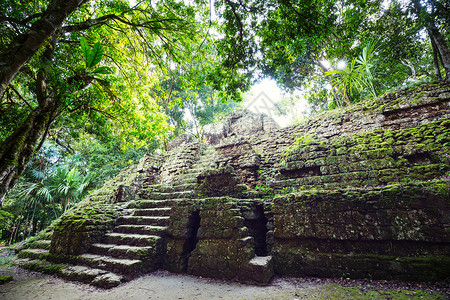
361, 192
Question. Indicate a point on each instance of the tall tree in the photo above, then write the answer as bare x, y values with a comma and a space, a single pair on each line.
295, 41
56, 83
37, 28
292, 37
428, 14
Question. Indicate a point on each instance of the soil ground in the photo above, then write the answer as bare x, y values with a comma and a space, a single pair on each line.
164, 285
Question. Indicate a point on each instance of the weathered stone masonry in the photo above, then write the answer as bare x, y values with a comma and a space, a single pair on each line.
358, 192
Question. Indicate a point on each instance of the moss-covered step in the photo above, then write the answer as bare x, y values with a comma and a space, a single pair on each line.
94, 276
123, 251
142, 203
160, 211
144, 220
169, 188
141, 229
163, 196
108, 280
5, 279
127, 267
40, 244
34, 253
43, 266
132, 239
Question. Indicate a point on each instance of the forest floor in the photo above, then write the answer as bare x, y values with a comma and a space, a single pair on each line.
164, 285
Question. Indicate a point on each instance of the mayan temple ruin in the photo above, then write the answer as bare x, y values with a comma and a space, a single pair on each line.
360, 191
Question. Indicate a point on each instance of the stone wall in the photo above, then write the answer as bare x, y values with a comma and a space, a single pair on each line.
212, 238
393, 232
242, 123
398, 110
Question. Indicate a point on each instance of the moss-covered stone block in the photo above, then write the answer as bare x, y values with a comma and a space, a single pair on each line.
79, 228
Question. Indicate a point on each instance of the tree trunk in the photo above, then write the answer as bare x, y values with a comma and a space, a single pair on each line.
24, 46
442, 48
409, 64
437, 70
18, 149
16, 231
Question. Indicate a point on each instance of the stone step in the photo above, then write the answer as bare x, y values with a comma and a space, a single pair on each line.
179, 164
260, 269
169, 188
81, 273
205, 161
163, 211
152, 203
282, 183
94, 276
164, 196
97, 277
188, 175
33, 253
131, 239
41, 244
41, 265
186, 180
143, 220
123, 251
128, 267
108, 280
284, 186
199, 169
141, 229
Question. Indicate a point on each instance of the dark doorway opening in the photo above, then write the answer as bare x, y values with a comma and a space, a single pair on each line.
191, 238
256, 222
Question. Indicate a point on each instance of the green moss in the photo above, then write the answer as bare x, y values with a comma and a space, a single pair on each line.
419, 153
337, 292
44, 267
6, 278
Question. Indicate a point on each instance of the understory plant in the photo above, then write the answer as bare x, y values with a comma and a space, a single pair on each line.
356, 76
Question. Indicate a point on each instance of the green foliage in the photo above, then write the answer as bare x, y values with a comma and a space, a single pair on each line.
355, 76
41, 197
265, 191
6, 220
106, 106
5, 279
93, 56
335, 291
305, 139
297, 42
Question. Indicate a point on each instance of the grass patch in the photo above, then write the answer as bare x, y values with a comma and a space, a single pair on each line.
7, 261
335, 291
5, 279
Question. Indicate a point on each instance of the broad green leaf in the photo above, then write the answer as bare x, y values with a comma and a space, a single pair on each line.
86, 50
95, 55
103, 70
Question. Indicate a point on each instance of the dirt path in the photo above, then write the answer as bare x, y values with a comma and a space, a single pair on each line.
166, 286
158, 285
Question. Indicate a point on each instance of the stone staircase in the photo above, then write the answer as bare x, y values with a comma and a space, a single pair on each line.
136, 244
